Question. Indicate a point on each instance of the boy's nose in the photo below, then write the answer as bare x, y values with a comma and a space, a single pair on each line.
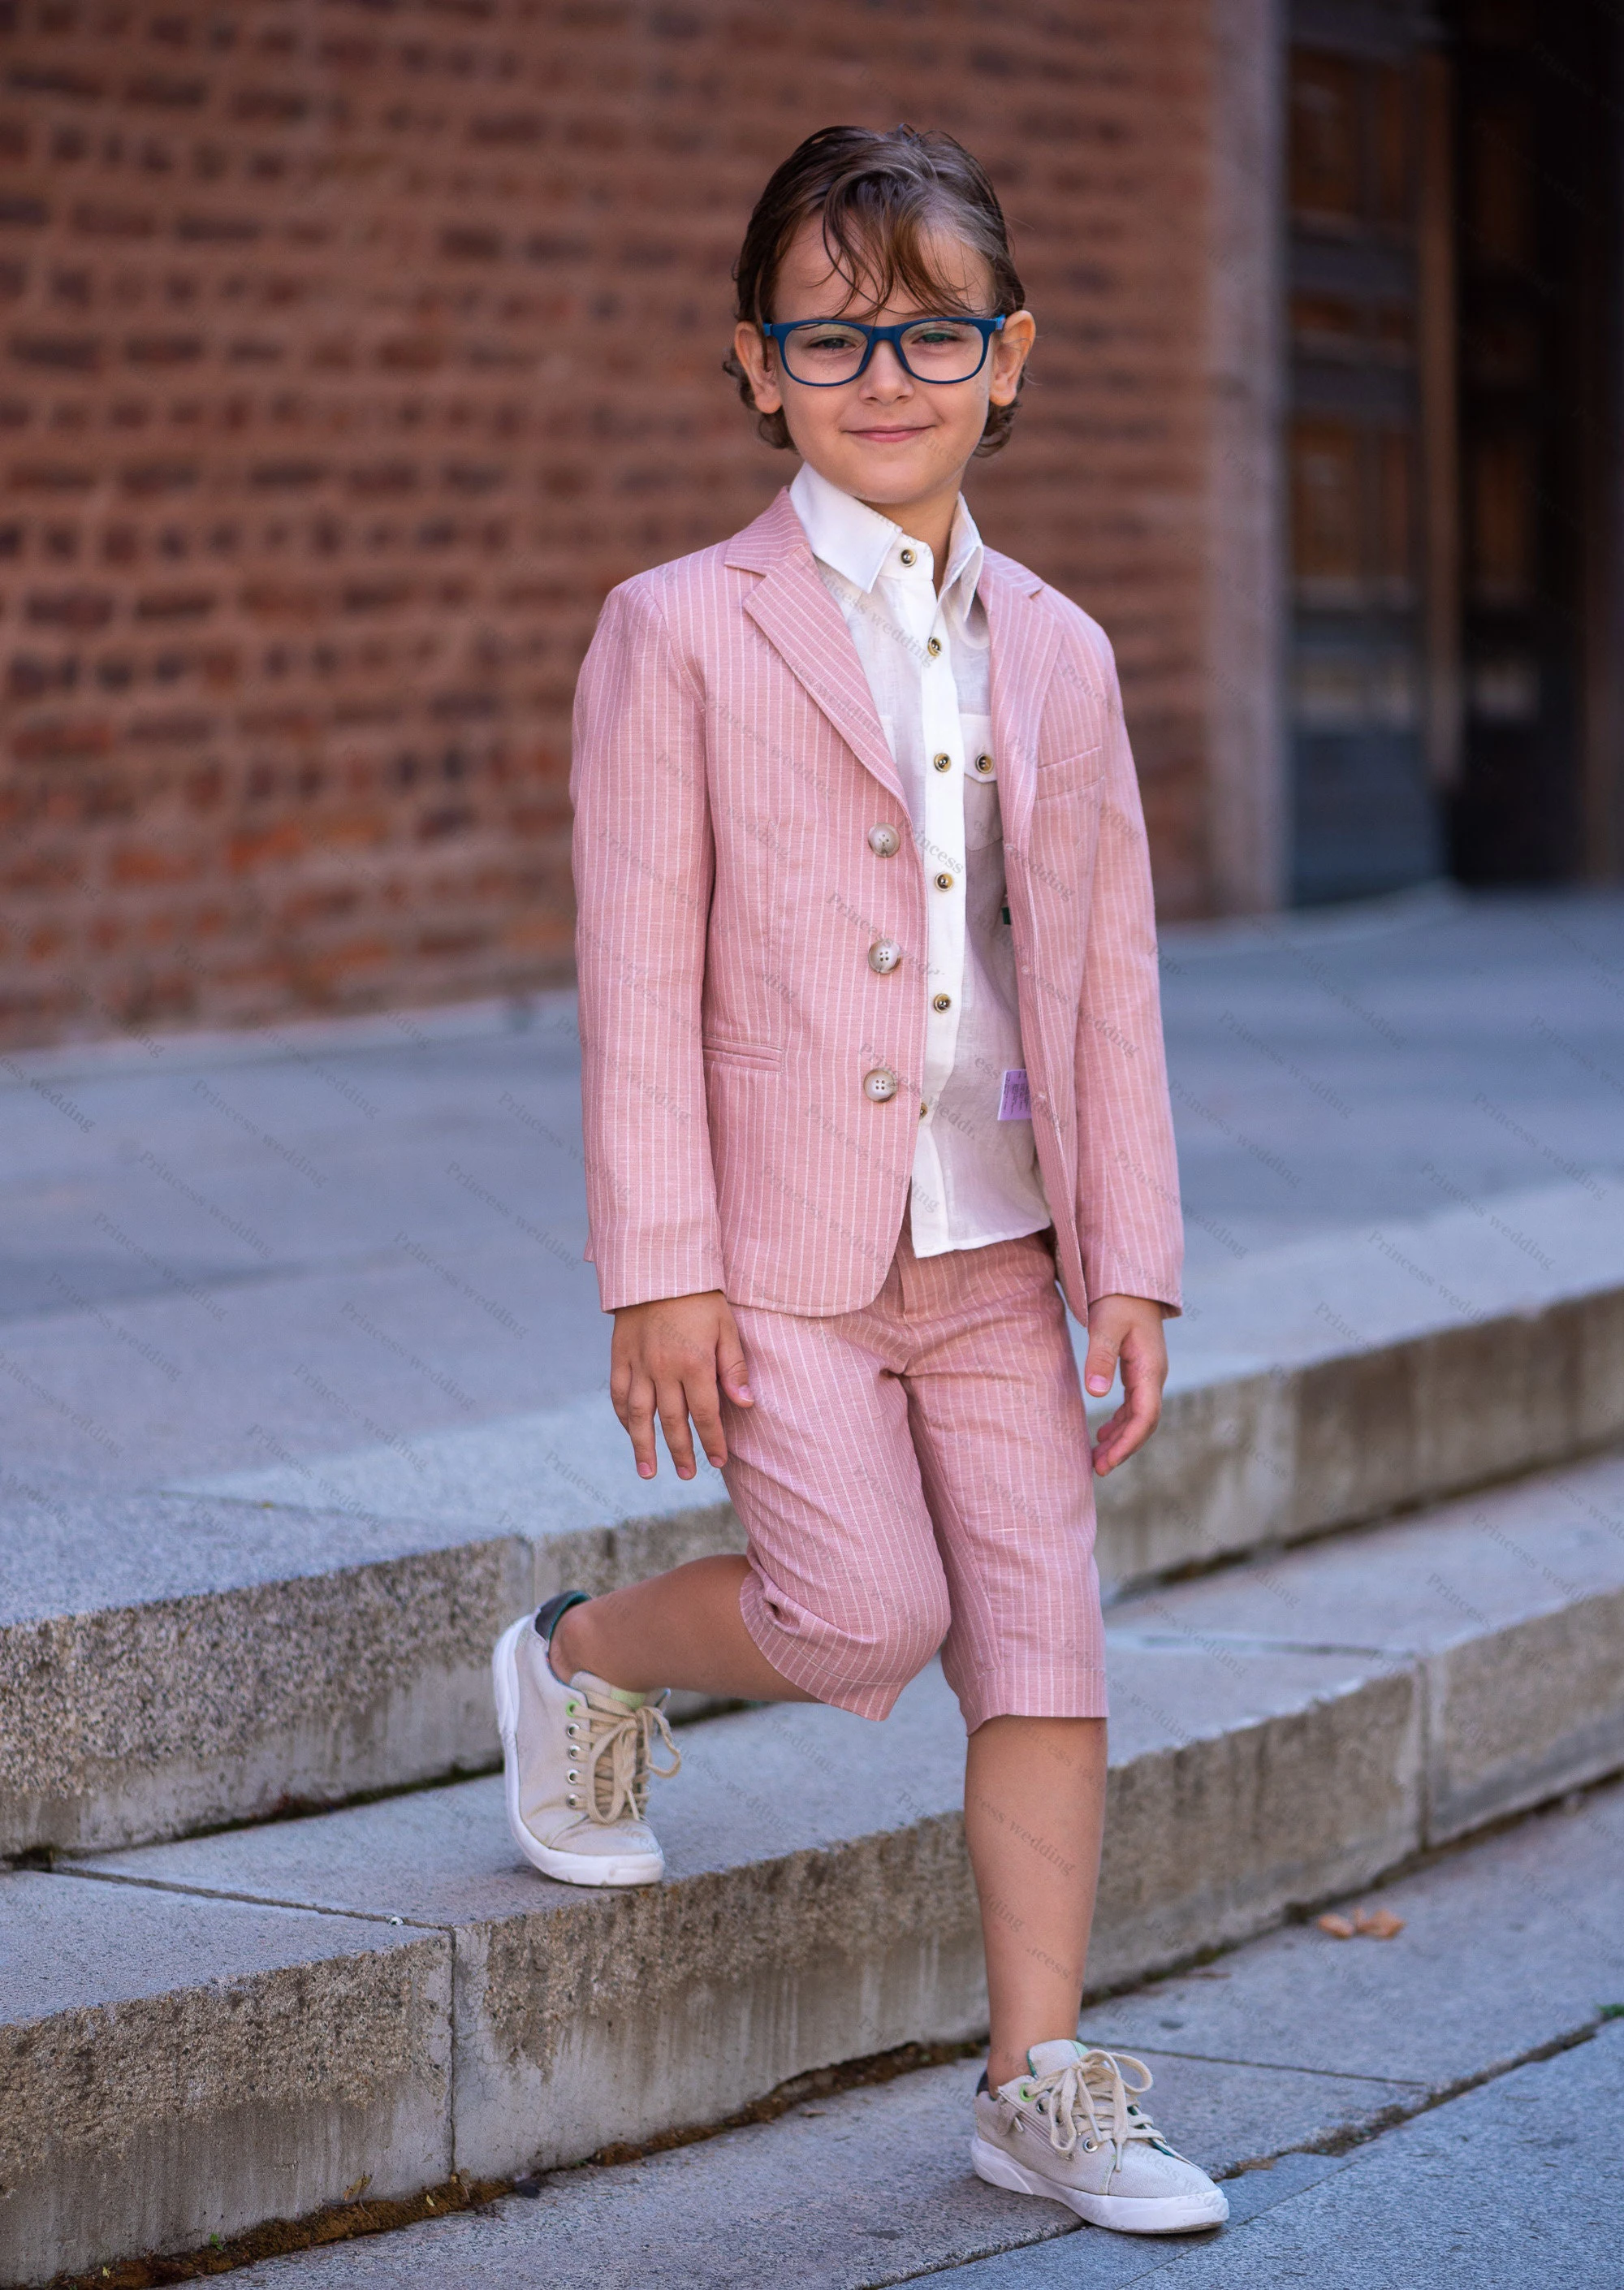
886, 374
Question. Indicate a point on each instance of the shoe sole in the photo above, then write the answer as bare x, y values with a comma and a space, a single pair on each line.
1122, 2214
568, 1868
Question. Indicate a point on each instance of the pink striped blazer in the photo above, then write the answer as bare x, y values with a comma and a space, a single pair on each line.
728, 767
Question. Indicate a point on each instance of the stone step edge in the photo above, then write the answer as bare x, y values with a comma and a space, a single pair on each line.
1339, 1776
1283, 1456
341, 2223
1330, 1430
349, 2166
377, 1671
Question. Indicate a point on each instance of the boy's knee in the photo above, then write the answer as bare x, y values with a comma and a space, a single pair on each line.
894, 1645
874, 1653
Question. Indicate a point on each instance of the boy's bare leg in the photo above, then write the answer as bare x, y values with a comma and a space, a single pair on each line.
682, 1629
1034, 1787
674, 1360
1034, 1811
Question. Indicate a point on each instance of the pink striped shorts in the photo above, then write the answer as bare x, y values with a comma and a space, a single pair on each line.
914, 1475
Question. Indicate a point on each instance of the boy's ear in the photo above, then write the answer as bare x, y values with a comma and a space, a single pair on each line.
1009, 352
751, 348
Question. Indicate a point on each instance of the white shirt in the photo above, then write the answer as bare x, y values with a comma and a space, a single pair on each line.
975, 1177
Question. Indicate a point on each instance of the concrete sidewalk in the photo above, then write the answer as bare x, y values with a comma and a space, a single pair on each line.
1278, 2066
222, 1254
301, 1389
303, 1383
1513, 2184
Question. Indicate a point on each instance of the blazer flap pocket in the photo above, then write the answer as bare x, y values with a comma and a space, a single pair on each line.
1083, 770
741, 1053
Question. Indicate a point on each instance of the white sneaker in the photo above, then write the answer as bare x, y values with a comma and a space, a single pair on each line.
1070, 2130
577, 1760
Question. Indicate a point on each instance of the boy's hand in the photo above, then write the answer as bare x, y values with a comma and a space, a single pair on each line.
667, 1359
1129, 1329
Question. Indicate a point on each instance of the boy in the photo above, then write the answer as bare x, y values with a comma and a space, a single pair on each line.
871, 1056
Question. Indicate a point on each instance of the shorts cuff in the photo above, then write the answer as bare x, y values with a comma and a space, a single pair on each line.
804, 1666
1082, 1694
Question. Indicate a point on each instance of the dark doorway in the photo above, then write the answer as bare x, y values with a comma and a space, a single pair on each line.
1538, 191
1452, 449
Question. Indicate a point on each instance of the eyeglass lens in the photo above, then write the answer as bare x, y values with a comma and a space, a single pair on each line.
937, 349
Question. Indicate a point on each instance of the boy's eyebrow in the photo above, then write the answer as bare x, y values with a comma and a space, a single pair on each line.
845, 318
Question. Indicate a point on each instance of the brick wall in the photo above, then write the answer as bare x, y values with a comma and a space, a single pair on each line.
351, 352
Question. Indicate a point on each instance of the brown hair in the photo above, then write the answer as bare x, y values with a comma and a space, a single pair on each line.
879, 193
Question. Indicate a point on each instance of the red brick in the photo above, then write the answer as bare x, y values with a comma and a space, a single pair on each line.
333, 418
155, 862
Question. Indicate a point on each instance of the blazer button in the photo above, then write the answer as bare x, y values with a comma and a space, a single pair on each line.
884, 955
884, 842
879, 1084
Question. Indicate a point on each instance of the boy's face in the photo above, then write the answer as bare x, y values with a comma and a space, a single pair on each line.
884, 437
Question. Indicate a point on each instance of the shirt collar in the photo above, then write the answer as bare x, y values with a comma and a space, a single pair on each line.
859, 544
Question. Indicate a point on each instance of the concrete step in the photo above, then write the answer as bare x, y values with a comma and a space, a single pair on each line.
305, 1634
1283, 1731
1268, 2065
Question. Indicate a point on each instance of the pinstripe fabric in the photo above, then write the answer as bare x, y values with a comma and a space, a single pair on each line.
916, 1471
975, 1175
728, 766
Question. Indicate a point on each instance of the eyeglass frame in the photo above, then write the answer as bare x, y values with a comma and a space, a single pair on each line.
777, 330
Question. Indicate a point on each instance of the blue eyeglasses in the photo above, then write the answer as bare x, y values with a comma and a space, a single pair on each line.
824, 352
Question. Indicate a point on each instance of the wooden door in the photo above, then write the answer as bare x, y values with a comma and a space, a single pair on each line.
1370, 433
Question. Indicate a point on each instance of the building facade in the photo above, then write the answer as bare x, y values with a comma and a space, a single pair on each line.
352, 352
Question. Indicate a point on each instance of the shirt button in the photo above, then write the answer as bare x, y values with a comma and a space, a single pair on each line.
908, 557
935, 647
884, 842
983, 762
884, 955
943, 763
879, 1084
941, 1002
944, 882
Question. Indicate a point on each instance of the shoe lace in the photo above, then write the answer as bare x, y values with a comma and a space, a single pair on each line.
1073, 2096
618, 1754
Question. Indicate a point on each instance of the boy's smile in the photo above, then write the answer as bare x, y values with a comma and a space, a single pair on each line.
895, 443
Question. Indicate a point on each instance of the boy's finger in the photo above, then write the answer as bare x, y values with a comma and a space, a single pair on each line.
1101, 1364
1105, 1445
705, 1406
1129, 1429
636, 1409
731, 1368
674, 1424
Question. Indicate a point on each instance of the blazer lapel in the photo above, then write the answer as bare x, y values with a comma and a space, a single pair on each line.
1023, 642
803, 623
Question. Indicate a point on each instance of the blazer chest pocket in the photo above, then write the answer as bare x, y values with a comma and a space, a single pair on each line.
983, 819
1080, 773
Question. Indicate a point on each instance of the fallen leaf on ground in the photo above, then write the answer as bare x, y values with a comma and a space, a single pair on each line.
1339, 1927
1378, 1923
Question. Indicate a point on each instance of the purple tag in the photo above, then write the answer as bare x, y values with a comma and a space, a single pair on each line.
1015, 1103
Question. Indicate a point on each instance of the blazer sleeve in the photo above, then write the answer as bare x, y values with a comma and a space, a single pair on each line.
1128, 1214
643, 861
